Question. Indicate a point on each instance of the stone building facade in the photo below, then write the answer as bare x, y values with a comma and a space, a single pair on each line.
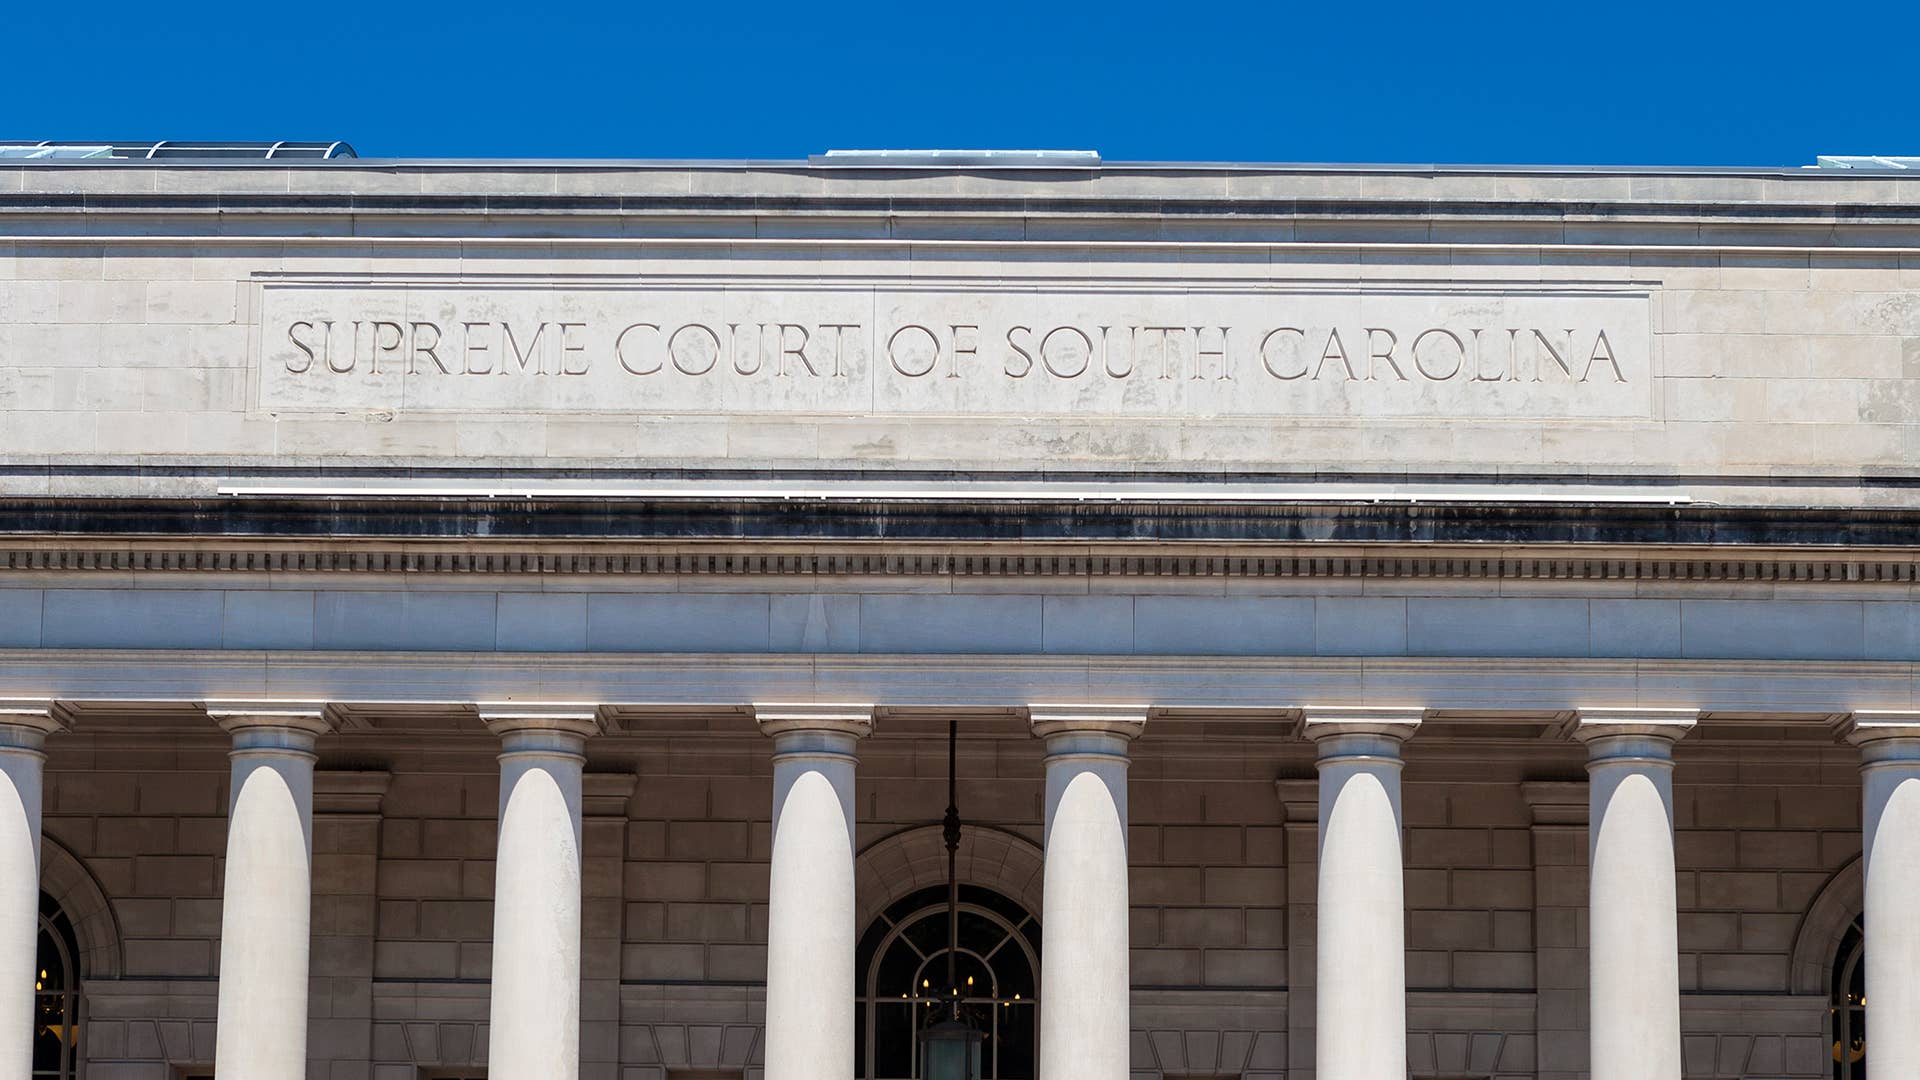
1441, 623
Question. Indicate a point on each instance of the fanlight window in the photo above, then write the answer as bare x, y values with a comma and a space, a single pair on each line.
902, 968
1848, 1010
56, 997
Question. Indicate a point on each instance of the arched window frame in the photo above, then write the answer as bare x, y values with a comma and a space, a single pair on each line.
1847, 1005
899, 923
57, 929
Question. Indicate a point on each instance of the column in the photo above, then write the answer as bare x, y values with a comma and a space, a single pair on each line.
24, 727
266, 905
1086, 992
1360, 1000
1889, 745
1632, 912
534, 1015
810, 912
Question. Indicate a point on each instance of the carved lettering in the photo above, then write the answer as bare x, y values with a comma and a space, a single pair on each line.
531, 355
1375, 353
294, 336
629, 362
1334, 351
1201, 352
429, 348
1074, 352
913, 350
1603, 350
1025, 358
1458, 351
470, 346
1268, 351
695, 349
1459, 354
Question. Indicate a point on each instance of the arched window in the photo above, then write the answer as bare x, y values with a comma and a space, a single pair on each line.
56, 987
1848, 1008
902, 968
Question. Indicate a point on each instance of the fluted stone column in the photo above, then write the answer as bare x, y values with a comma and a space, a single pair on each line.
534, 1020
24, 726
810, 912
1360, 996
266, 905
1890, 789
1632, 909
1085, 1010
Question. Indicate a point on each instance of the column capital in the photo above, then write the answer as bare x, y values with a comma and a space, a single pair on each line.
25, 723
853, 720
1346, 732
1125, 721
1885, 737
1398, 723
541, 727
1872, 725
271, 726
1625, 734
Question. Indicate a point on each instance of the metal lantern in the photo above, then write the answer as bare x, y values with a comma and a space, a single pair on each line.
950, 1050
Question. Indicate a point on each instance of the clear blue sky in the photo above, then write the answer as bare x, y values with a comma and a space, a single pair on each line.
1546, 81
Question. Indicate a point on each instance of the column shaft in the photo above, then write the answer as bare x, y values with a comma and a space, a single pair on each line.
534, 1014
1633, 913
1360, 990
23, 730
1890, 804
1085, 985
266, 904
810, 913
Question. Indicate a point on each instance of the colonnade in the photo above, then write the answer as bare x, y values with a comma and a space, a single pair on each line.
1360, 1002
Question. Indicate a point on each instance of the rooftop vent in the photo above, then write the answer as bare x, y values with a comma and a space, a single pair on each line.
1826, 161
958, 159
82, 150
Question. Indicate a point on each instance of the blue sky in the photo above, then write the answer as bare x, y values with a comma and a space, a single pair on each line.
1594, 83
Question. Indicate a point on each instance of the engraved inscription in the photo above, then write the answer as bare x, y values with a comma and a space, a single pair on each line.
971, 351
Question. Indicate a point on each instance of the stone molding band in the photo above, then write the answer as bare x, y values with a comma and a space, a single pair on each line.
741, 560
1688, 541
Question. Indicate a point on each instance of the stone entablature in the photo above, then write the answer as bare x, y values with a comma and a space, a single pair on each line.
1746, 338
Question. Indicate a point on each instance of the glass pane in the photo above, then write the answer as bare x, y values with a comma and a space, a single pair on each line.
49, 1034
929, 933
1017, 1041
979, 934
893, 1042
48, 972
896, 972
863, 955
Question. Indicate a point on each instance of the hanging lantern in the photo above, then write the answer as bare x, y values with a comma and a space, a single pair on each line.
950, 1050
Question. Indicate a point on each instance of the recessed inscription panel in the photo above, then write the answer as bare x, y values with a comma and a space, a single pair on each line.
893, 350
